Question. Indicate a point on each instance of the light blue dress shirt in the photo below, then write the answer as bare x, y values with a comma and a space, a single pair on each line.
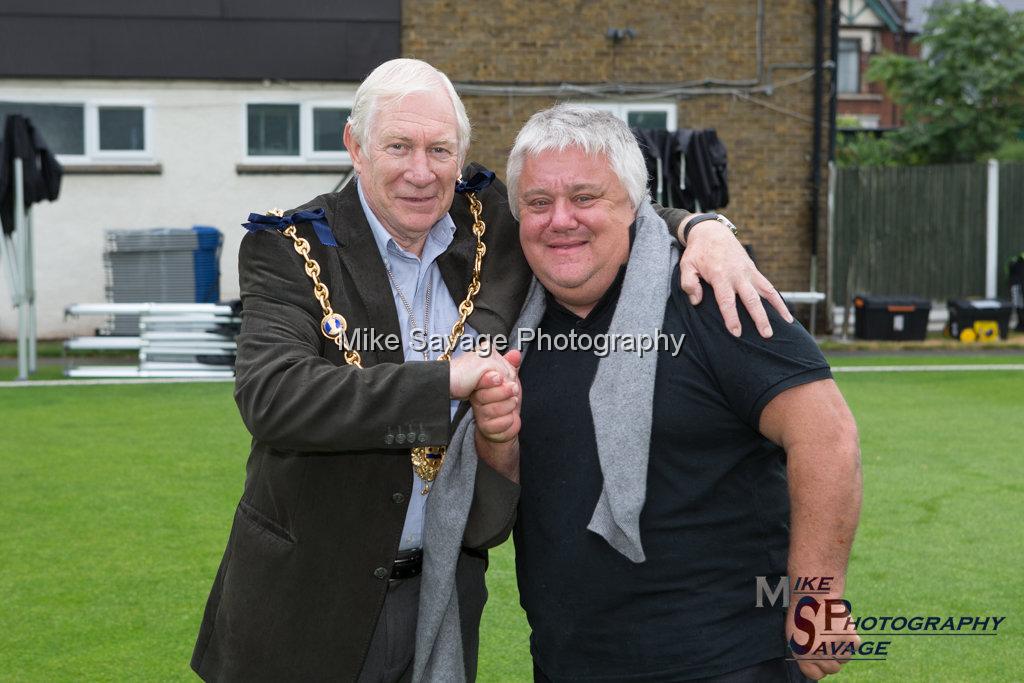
414, 274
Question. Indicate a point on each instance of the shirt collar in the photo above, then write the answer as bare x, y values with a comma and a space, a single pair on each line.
441, 233
601, 310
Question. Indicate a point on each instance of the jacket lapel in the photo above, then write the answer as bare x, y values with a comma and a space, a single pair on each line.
456, 263
456, 266
360, 257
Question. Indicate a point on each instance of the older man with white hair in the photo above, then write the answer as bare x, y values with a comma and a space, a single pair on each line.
656, 487
351, 380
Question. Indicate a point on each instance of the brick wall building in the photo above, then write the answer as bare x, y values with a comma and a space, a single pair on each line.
216, 130
704, 56
868, 28
869, 104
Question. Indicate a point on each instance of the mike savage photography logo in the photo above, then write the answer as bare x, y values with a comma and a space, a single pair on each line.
602, 345
814, 609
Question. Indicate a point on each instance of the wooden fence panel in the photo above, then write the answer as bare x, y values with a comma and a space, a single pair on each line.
910, 230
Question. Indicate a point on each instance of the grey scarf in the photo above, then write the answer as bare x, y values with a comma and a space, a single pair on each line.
621, 405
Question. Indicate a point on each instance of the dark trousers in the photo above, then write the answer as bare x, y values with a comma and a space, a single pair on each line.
772, 671
393, 645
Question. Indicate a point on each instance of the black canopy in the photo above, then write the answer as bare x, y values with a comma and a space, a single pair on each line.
42, 172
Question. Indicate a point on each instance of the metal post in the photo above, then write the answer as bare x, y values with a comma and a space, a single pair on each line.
7, 252
814, 288
30, 290
830, 253
19, 255
992, 230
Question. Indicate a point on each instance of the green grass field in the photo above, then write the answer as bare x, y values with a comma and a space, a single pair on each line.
927, 359
115, 503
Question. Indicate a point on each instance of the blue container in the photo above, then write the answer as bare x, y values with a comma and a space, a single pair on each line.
206, 261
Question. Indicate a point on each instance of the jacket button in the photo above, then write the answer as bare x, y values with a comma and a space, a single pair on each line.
398, 498
380, 573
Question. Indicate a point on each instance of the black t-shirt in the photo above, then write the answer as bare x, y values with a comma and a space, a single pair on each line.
716, 514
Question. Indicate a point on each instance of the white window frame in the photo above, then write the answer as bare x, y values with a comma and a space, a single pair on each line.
856, 56
622, 109
306, 117
92, 133
307, 154
91, 128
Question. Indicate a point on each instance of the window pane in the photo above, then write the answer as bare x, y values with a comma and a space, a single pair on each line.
647, 119
328, 124
62, 126
848, 69
122, 128
273, 129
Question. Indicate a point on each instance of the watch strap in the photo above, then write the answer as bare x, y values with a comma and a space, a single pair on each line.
694, 220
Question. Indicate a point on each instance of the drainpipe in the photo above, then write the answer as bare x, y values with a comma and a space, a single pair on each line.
833, 90
819, 88
832, 111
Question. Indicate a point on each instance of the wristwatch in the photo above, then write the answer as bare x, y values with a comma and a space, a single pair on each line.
700, 218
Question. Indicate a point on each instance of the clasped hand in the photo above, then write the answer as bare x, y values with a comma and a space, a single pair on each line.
491, 383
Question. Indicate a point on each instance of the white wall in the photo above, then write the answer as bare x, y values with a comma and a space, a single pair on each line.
196, 133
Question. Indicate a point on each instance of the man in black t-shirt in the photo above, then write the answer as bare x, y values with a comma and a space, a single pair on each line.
664, 463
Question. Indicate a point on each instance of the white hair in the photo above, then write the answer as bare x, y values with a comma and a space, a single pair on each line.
392, 81
593, 131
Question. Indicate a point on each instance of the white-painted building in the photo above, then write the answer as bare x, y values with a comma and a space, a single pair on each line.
175, 115
194, 161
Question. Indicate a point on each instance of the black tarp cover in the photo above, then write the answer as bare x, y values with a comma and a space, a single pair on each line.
42, 171
706, 178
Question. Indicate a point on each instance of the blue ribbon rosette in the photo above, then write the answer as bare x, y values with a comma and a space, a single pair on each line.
317, 217
479, 182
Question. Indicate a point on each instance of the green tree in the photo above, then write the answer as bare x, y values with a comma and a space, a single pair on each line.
965, 97
866, 149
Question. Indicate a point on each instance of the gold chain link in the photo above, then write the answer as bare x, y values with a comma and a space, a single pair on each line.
426, 460
466, 307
